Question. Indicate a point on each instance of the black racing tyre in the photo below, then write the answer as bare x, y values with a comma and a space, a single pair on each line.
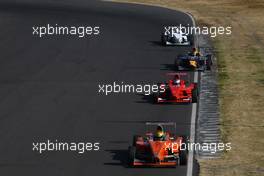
155, 98
190, 39
183, 40
135, 137
195, 95
176, 64
208, 67
174, 40
164, 39
183, 157
131, 155
209, 62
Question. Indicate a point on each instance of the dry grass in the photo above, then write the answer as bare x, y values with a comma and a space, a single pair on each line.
241, 58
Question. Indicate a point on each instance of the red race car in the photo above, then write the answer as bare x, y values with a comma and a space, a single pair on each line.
158, 149
177, 90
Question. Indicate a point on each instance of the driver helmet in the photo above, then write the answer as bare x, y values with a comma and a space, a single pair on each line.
159, 132
177, 80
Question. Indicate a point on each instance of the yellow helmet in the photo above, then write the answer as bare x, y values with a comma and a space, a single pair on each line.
159, 132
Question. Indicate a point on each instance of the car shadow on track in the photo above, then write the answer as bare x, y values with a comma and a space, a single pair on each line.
118, 142
120, 158
146, 99
156, 43
151, 100
169, 67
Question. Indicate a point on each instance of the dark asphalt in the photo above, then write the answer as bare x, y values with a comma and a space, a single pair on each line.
49, 86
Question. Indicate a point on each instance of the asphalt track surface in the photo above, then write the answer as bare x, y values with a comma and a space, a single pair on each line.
49, 86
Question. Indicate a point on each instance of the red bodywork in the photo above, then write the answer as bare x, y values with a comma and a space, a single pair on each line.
177, 93
156, 153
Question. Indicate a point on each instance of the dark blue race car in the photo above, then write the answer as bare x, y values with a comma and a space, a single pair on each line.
193, 62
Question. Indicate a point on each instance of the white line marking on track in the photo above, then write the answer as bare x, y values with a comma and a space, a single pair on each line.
192, 135
193, 116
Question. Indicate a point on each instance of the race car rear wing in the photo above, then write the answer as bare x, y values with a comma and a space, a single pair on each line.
182, 75
161, 123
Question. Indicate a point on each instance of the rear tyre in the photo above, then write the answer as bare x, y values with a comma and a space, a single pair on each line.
155, 98
195, 95
174, 40
177, 64
183, 155
164, 39
209, 62
132, 155
190, 39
